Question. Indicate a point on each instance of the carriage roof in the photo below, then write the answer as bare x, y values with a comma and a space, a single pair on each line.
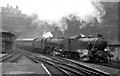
24, 39
88, 39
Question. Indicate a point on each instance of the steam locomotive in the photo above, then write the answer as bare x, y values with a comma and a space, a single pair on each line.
77, 47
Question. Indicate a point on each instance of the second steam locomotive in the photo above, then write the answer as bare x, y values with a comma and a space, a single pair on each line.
77, 47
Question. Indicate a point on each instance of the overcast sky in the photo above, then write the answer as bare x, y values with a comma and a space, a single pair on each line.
110, 0
53, 9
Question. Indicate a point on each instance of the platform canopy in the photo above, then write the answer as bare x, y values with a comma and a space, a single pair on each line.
1, 30
6, 32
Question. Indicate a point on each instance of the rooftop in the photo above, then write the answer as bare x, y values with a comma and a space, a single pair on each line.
7, 32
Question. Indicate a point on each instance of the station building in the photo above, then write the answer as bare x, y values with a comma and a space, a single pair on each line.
115, 50
115, 47
7, 42
11, 19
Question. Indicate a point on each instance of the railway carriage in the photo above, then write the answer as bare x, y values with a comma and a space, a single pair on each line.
33, 45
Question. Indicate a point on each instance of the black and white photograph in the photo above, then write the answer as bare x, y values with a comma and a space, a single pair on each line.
59, 38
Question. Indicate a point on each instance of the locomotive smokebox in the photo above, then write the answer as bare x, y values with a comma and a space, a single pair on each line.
100, 44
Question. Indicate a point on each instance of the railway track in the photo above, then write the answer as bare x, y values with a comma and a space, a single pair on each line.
56, 65
49, 65
71, 68
112, 64
51, 69
82, 67
108, 69
13, 57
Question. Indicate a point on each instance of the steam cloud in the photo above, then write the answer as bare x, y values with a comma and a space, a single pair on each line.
47, 34
86, 11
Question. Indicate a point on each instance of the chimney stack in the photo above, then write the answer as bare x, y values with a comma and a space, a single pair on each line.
11, 7
17, 7
7, 5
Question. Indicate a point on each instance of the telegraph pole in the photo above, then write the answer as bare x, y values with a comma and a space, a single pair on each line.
118, 28
119, 22
0, 31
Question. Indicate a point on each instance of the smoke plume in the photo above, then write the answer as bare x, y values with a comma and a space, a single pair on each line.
87, 12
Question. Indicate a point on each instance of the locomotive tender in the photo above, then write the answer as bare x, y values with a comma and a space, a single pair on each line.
82, 48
